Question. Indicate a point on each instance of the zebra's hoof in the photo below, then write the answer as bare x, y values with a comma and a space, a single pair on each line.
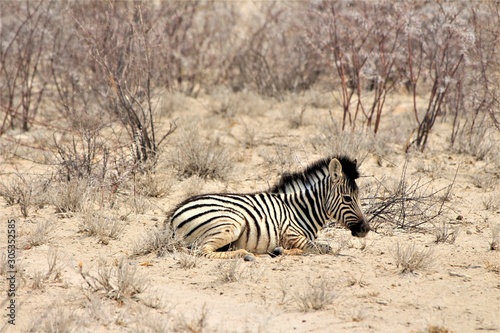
249, 257
278, 251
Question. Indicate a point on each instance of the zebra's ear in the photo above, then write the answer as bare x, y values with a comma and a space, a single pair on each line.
335, 169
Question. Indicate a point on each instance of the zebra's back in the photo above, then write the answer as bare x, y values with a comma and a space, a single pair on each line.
253, 222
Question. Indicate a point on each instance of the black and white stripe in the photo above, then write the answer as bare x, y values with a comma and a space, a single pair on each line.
288, 215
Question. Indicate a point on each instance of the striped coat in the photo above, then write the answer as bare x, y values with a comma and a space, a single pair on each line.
288, 216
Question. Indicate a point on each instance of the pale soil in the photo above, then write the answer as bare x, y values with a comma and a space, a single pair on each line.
459, 291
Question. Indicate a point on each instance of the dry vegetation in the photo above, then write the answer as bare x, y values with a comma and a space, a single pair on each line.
112, 112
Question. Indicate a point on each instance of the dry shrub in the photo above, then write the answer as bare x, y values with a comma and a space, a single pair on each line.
101, 224
237, 270
409, 258
159, 241
409, 204
318, 295
495, 237
117, 282
69, 197
53, 272
41, 233
198, 324
57, 319
25, 190
151, 184
445, 233
195, 156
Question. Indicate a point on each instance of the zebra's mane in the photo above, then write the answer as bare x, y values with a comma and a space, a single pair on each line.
313, 174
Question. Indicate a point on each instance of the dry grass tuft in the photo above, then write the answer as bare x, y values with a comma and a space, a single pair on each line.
57, 320
198, 324
102, 225
446, 233
69, 196
53, 272
410, 259
159, 241
116, 282
25, 191
318, 295
495, 237
198, 157
236, 270
40, 234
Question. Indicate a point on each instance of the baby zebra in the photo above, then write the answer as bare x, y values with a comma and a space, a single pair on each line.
285, 219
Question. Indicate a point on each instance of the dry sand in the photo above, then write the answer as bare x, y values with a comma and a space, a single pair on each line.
359, 289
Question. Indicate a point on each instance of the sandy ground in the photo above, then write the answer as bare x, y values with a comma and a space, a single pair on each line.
357, 289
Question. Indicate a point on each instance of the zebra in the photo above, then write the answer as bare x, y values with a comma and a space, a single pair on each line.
285, 219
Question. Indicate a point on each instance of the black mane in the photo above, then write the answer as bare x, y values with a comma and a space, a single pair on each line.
312, 174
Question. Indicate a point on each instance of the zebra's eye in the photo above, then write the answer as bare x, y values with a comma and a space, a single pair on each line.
347, 198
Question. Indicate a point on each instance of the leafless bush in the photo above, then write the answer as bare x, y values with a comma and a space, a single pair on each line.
196, 156
18, 190
360, 44
188, 259
284, 66
409, 258
22, 54
409, 204
116, 282
86, 155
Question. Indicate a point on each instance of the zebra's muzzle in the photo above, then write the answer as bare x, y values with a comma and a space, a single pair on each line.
360, 229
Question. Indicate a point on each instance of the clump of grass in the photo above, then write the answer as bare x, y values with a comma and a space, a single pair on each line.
198, 324
318, 295
446, 234
159, 241
56, 320
436, 329
116, 282
230, 271
410, 259
69, 196
152, 185
53, 272
491, 203
102, 225
198, 157
237, 270
23, 190
188, 259
495, 238
40, 234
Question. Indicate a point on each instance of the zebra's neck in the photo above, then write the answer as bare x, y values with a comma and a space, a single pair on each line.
308, 206
302, 181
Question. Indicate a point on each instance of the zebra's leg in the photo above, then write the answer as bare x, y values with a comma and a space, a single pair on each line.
221, 237
297, 244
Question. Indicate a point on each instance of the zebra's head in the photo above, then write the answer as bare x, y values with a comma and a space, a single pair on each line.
342, 203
